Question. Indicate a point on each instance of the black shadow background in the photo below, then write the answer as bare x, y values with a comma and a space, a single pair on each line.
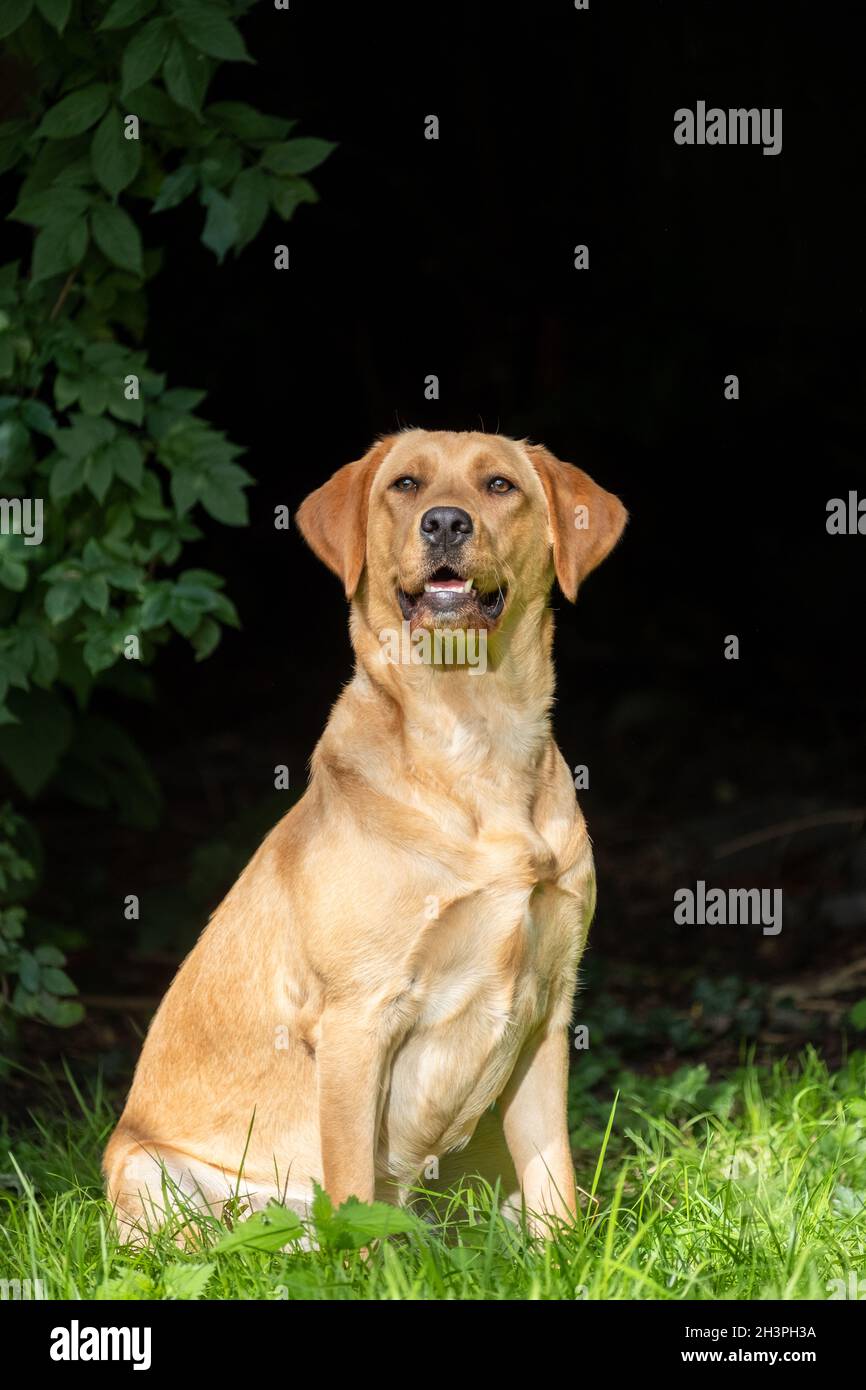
456, 258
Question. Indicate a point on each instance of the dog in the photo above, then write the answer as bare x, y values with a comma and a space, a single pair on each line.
385, 993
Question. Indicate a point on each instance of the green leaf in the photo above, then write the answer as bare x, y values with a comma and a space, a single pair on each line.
144, 54
13, 574
93, 555
12, 135
99, 652
76, 170
53, 205
355, 1223
94, 395
84, 435
150, 505
56, 12
223, 499
94, 592
58, 248
31, 749
847, 1202
98, 473
212, 32
10, 153
287, 195
127, 460
123, 13
58, 161
156, 606
75, 113
13, 13
24, 1003
153, 106
66, 391
119, 522
268, 1230
28, 971
103, 766
297, 156
857, 1015
221, 227
104, 355
186, 75
246, 123
62, 1013
38, 417
47, 661
56, 981
127, 577
14, 445
115, 160
132, 1285
62, 600
205, 638
117, 237
49, 955
185, 487
187, 1281
223, 162
322, 1208
250, 201
67, 476
175, 404
131, 412
175, 187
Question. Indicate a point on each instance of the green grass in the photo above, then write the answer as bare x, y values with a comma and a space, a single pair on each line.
746, 1188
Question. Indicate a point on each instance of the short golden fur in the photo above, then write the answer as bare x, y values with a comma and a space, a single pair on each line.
401, 951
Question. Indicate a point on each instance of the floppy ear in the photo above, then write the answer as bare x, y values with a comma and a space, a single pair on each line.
333, 519
585, 521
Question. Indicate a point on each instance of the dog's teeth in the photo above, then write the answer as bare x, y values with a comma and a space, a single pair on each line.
448, 588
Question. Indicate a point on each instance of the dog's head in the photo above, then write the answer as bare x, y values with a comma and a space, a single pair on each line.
457, 529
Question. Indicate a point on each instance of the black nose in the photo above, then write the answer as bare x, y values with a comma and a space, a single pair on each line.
447, 527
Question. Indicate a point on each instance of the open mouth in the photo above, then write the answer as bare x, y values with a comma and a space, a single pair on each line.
448, 597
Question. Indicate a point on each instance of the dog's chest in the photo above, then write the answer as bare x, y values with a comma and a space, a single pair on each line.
487, 956
493, 966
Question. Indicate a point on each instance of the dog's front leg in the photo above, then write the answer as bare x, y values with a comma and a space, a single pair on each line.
534, 1118
350, 1061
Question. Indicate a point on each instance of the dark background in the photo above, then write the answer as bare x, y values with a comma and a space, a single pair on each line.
456, 258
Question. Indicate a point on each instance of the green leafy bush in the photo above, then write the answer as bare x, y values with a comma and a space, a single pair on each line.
111, 126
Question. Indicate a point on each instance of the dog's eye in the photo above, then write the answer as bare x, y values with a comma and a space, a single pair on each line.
500, 485
404, 484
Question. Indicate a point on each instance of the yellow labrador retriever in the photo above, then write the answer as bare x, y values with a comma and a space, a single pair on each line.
401, 952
